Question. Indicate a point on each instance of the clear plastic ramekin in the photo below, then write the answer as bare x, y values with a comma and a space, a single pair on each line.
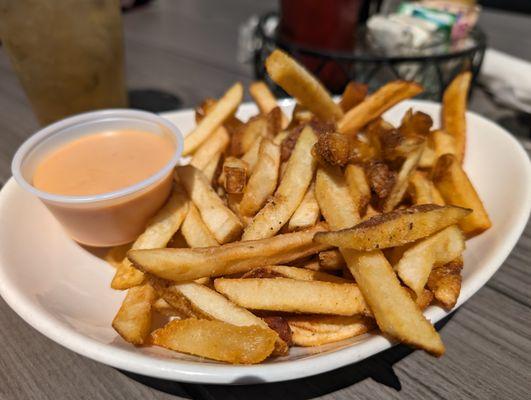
107, 219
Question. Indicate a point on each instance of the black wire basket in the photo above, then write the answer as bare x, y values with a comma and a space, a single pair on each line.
433, 67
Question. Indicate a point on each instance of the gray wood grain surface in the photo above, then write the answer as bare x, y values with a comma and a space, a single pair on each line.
188, 48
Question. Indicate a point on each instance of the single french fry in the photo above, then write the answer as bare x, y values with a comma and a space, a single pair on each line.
165, 223
453, 114
423, 191
402, 181
126, 276
358, 186
330, 184
376, 104
290, 192
428, 157
182, 265
263, 180
423, 299
265, 100
316, 330
331, 260
443, 143
281, 136
211, 168
221, 111
220, 220
234, 175
217, 340
302, 274
216, 144
299, 83
158, 233
194, 230
396, 228
251, 156
307, 214
457, 189
164, 308
353, 95
292, 295
445, 282
393, 308
133, 320
416, 263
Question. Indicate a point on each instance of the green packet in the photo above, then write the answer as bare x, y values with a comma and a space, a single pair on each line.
444, 20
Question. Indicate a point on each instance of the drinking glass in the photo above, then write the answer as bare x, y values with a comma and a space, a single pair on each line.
67, 54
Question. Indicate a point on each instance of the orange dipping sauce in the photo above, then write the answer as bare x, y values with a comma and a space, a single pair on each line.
102, 162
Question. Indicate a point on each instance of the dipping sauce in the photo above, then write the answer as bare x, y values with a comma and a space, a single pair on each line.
103, 162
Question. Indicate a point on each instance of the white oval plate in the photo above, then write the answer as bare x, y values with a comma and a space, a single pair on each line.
62, 290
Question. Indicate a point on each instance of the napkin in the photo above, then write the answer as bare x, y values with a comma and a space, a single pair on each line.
507, 79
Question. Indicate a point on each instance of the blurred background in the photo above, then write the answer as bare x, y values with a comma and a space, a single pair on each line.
162, 54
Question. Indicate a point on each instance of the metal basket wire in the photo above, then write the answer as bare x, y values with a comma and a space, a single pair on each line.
434, 68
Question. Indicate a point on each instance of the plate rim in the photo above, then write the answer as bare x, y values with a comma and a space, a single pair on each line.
198, 372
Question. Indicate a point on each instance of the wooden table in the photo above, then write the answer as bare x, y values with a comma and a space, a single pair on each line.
189, 48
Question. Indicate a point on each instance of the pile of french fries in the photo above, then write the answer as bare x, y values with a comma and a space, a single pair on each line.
306, 230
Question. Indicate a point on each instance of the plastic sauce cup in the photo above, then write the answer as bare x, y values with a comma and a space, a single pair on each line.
106, 219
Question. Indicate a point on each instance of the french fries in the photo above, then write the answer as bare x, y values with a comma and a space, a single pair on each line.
263, 180
293, 295
293, 185
158, 233
265, 100
182, 265
133, 320
217, 258
417, 261
194, 230
376, 104
209, 304
217, 340
455, 187
395, 312
220, 112
299, 83
220, 220
395, 228
307, 214
453, 115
